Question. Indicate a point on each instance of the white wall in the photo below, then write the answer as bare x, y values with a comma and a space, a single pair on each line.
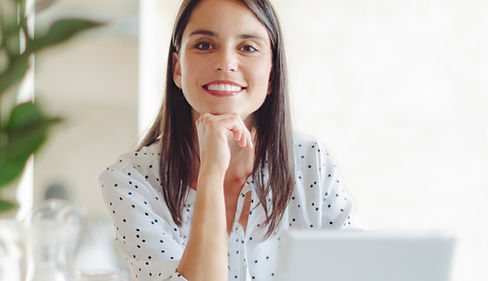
398, 91
92, 82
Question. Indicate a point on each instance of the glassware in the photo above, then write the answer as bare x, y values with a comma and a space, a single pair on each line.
52, 240
10, 250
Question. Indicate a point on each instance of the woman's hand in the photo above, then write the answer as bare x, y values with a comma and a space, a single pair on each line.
213, 131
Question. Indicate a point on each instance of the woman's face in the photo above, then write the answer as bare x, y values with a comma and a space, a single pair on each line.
224, 62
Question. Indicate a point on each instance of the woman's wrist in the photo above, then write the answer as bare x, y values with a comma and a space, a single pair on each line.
211, 171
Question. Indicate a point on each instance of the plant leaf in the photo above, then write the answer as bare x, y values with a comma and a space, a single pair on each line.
9, 172
59, 32
5, 205
14, 73
23, 115
26, 131
20, 147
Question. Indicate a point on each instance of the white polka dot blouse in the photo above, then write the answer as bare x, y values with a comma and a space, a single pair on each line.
153, 244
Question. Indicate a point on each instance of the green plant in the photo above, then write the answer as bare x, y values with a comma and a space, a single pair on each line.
25, 128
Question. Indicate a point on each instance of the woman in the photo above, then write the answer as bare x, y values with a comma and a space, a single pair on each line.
220, 176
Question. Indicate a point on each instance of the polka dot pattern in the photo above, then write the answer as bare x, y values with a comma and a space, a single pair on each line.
152, 244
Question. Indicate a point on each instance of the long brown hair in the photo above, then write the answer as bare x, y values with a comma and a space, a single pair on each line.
174, 129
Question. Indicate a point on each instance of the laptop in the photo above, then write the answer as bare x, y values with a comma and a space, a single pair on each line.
321, 255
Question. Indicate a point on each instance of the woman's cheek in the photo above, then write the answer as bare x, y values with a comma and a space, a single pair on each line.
193, 69
261, 73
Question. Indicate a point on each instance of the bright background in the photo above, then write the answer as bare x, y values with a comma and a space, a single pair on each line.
397, 90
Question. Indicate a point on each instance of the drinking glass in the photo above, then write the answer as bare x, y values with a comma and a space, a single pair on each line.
52, 240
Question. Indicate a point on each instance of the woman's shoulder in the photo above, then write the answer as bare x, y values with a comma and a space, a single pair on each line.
307, 150
301, 141
145, 154
144, 162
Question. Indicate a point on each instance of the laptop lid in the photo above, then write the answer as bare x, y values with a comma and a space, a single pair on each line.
314, 255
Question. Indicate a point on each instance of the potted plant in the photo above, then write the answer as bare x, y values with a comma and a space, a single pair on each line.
24, 127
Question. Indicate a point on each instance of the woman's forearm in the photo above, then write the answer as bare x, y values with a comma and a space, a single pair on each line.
205, 255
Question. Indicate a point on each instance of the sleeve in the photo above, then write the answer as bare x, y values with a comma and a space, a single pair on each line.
145, 236
337, 203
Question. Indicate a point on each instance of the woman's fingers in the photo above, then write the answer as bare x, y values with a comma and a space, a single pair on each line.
234, 123
213, 138
229, 122
238, 134
249, 142
245, 139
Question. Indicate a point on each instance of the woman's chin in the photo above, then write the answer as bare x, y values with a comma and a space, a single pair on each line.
222, 110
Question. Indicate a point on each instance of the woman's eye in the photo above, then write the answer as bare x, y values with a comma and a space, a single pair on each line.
248, 49
204, 46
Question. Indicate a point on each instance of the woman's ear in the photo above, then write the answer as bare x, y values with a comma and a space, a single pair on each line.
176, 69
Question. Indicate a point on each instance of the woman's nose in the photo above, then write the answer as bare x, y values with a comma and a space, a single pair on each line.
226, 61
227, 68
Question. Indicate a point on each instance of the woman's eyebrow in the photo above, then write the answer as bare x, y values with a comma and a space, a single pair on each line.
203, 32
213, 34
252, 36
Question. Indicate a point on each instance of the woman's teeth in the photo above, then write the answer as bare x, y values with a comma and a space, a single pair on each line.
224, 87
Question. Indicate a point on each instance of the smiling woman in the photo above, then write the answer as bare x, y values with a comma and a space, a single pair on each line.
220, 175
238, 52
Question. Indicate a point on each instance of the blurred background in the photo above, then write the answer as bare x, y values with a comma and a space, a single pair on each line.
397, 90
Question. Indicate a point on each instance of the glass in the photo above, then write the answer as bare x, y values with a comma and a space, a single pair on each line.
52, 239
10, 250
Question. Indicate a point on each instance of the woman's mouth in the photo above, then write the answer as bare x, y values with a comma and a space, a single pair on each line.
223, 88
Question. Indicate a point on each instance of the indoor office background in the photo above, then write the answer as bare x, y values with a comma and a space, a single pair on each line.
397, 90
